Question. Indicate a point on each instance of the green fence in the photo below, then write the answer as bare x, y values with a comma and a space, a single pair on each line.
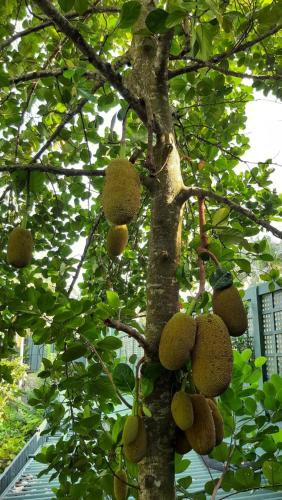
265, 325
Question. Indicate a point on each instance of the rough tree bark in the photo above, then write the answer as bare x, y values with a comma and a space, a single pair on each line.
148, 80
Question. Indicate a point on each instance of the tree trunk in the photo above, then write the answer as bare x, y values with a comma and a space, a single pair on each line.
156, 471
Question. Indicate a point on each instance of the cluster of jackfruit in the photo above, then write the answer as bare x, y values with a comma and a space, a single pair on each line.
121, 202
20, 244
206, 430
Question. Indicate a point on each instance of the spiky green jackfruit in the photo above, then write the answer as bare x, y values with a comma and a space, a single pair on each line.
120, 486
130, 429
182, 410
19, 251
137, 449
182, 444
228, 304
121, 193
177, 341
212, 356
218, 422
201, 435
117, 240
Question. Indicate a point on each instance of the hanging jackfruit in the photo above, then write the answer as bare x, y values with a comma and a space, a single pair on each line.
130, 429
212, 357
121, 193
201, 435
177, 341
218, 422
182, 444
117, 240
228, 304
120, 486
182, 410
136, 450
19, 251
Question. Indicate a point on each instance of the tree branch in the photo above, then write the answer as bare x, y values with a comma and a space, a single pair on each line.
49, 169
132, 332
104, 68
84, 253
186, 193
223, 55
45, 24
228, 72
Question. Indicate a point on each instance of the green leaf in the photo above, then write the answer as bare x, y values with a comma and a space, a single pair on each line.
244, 265
147, 386
124, 377
66, 5
113, 299
181, 464
74, 352
220, 279
273, 472
220, 215
175, 18
130, 12
260, 361
156, 21
4, 79
109, 344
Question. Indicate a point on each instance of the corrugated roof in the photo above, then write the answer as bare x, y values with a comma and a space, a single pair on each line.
27, 486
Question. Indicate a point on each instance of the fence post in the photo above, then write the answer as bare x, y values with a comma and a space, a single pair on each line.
256, 311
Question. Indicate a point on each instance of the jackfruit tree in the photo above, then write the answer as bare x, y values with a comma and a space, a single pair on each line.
125, 200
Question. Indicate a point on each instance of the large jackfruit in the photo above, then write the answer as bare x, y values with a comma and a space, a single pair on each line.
130, 429
218, 422
177, 341
137, 449
19, 251
182, 444
117, 240
182, 410
228, 304
121, 193
201, 435
120, 486
212, 356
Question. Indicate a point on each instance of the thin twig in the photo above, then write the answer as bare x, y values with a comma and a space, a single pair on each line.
50, 169
129, 330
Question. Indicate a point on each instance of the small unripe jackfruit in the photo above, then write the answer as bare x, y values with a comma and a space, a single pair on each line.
201, 435
137, 449
228, 304
212, 357
117, 240
130, 429
218, 422
121, 193
182, 444
120, 486
182, 410
19, 251
177, 341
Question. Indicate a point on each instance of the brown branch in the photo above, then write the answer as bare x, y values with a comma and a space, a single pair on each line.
93, 349
219, 69
129, 330
223, 55
104, 68
49, 169
84, 253
186, 193
45, 24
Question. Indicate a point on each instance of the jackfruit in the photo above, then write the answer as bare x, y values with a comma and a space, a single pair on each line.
228, 304
121, 193
19, 251
182, 410
117, 240
137, 449
177, 341
182, 444
130, 429
212, 356
120, 486
201, 435
218, 422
